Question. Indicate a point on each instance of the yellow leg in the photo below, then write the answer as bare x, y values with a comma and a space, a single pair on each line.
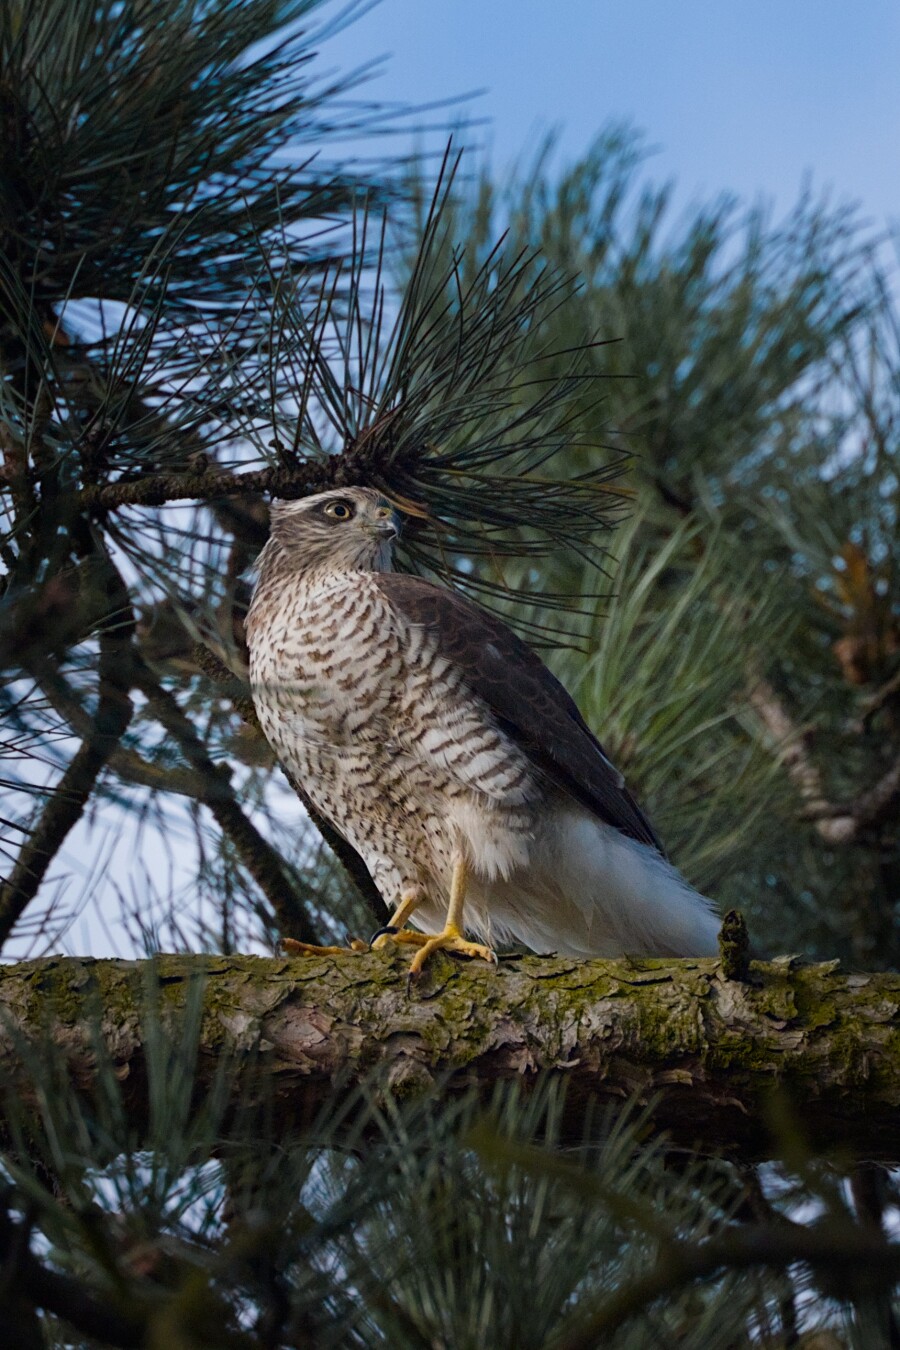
409, 901
452, 939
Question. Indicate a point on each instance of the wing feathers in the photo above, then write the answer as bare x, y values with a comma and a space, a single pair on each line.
529, 702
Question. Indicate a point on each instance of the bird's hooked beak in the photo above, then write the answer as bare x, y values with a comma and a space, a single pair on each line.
388, 527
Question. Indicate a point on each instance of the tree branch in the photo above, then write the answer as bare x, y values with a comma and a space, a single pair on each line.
125, 762
63, 1296
778, 1247
836, 822
801, 770
703, 1053
871, 808
160, 488
266, 866
71, 794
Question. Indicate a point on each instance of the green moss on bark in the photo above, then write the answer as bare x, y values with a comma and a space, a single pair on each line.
704, 1051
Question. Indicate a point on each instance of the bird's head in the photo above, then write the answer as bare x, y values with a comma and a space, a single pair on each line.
346, 529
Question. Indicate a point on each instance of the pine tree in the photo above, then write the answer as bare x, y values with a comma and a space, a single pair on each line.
667, 453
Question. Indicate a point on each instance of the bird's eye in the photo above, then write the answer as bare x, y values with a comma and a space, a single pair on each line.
340, 510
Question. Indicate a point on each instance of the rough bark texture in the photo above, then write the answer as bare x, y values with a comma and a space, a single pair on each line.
705, 1052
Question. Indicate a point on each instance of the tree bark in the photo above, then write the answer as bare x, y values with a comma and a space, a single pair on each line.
704, 1053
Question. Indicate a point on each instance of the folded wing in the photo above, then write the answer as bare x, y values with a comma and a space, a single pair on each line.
528, 701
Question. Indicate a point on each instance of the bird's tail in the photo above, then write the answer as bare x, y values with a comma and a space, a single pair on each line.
589, 890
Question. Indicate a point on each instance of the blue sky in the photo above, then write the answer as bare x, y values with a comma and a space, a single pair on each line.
749, 95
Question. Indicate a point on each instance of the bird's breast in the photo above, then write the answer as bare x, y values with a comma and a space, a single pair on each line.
326, 660
383, 730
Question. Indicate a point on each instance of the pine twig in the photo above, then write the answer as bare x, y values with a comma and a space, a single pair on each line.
801, 770
261, 860
125, 762
872, 807
847, 822
70, 796
160, 488
874, 1260
64, 1297
881, 696
835, 822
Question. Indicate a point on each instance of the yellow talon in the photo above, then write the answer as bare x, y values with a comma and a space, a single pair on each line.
410, 936
451, 940
295, 948
408, 902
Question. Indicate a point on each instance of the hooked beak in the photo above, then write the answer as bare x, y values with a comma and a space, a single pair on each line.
389, 528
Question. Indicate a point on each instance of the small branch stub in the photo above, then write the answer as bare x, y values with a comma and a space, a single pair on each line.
734, 946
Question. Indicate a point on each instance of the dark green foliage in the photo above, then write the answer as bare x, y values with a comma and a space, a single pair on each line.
444, 404
199, 305
173, 128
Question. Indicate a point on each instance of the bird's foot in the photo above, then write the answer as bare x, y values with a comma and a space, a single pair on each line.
451, 940
295, 948
385, 936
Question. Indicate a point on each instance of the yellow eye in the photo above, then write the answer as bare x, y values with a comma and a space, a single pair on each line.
339, 510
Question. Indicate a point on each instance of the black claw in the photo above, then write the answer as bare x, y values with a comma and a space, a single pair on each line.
388, 928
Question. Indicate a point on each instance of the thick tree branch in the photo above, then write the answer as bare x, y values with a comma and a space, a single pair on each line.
706, 1054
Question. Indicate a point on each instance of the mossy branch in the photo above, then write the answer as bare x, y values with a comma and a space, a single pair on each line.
711, 1057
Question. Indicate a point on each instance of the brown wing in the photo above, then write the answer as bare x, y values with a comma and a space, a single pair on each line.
529, 702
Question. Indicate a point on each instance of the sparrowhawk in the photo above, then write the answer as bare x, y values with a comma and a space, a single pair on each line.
444, 751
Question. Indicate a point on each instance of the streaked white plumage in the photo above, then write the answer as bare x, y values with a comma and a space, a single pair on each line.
434, 740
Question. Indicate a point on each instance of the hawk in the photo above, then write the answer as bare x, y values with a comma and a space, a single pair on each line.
443, 750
